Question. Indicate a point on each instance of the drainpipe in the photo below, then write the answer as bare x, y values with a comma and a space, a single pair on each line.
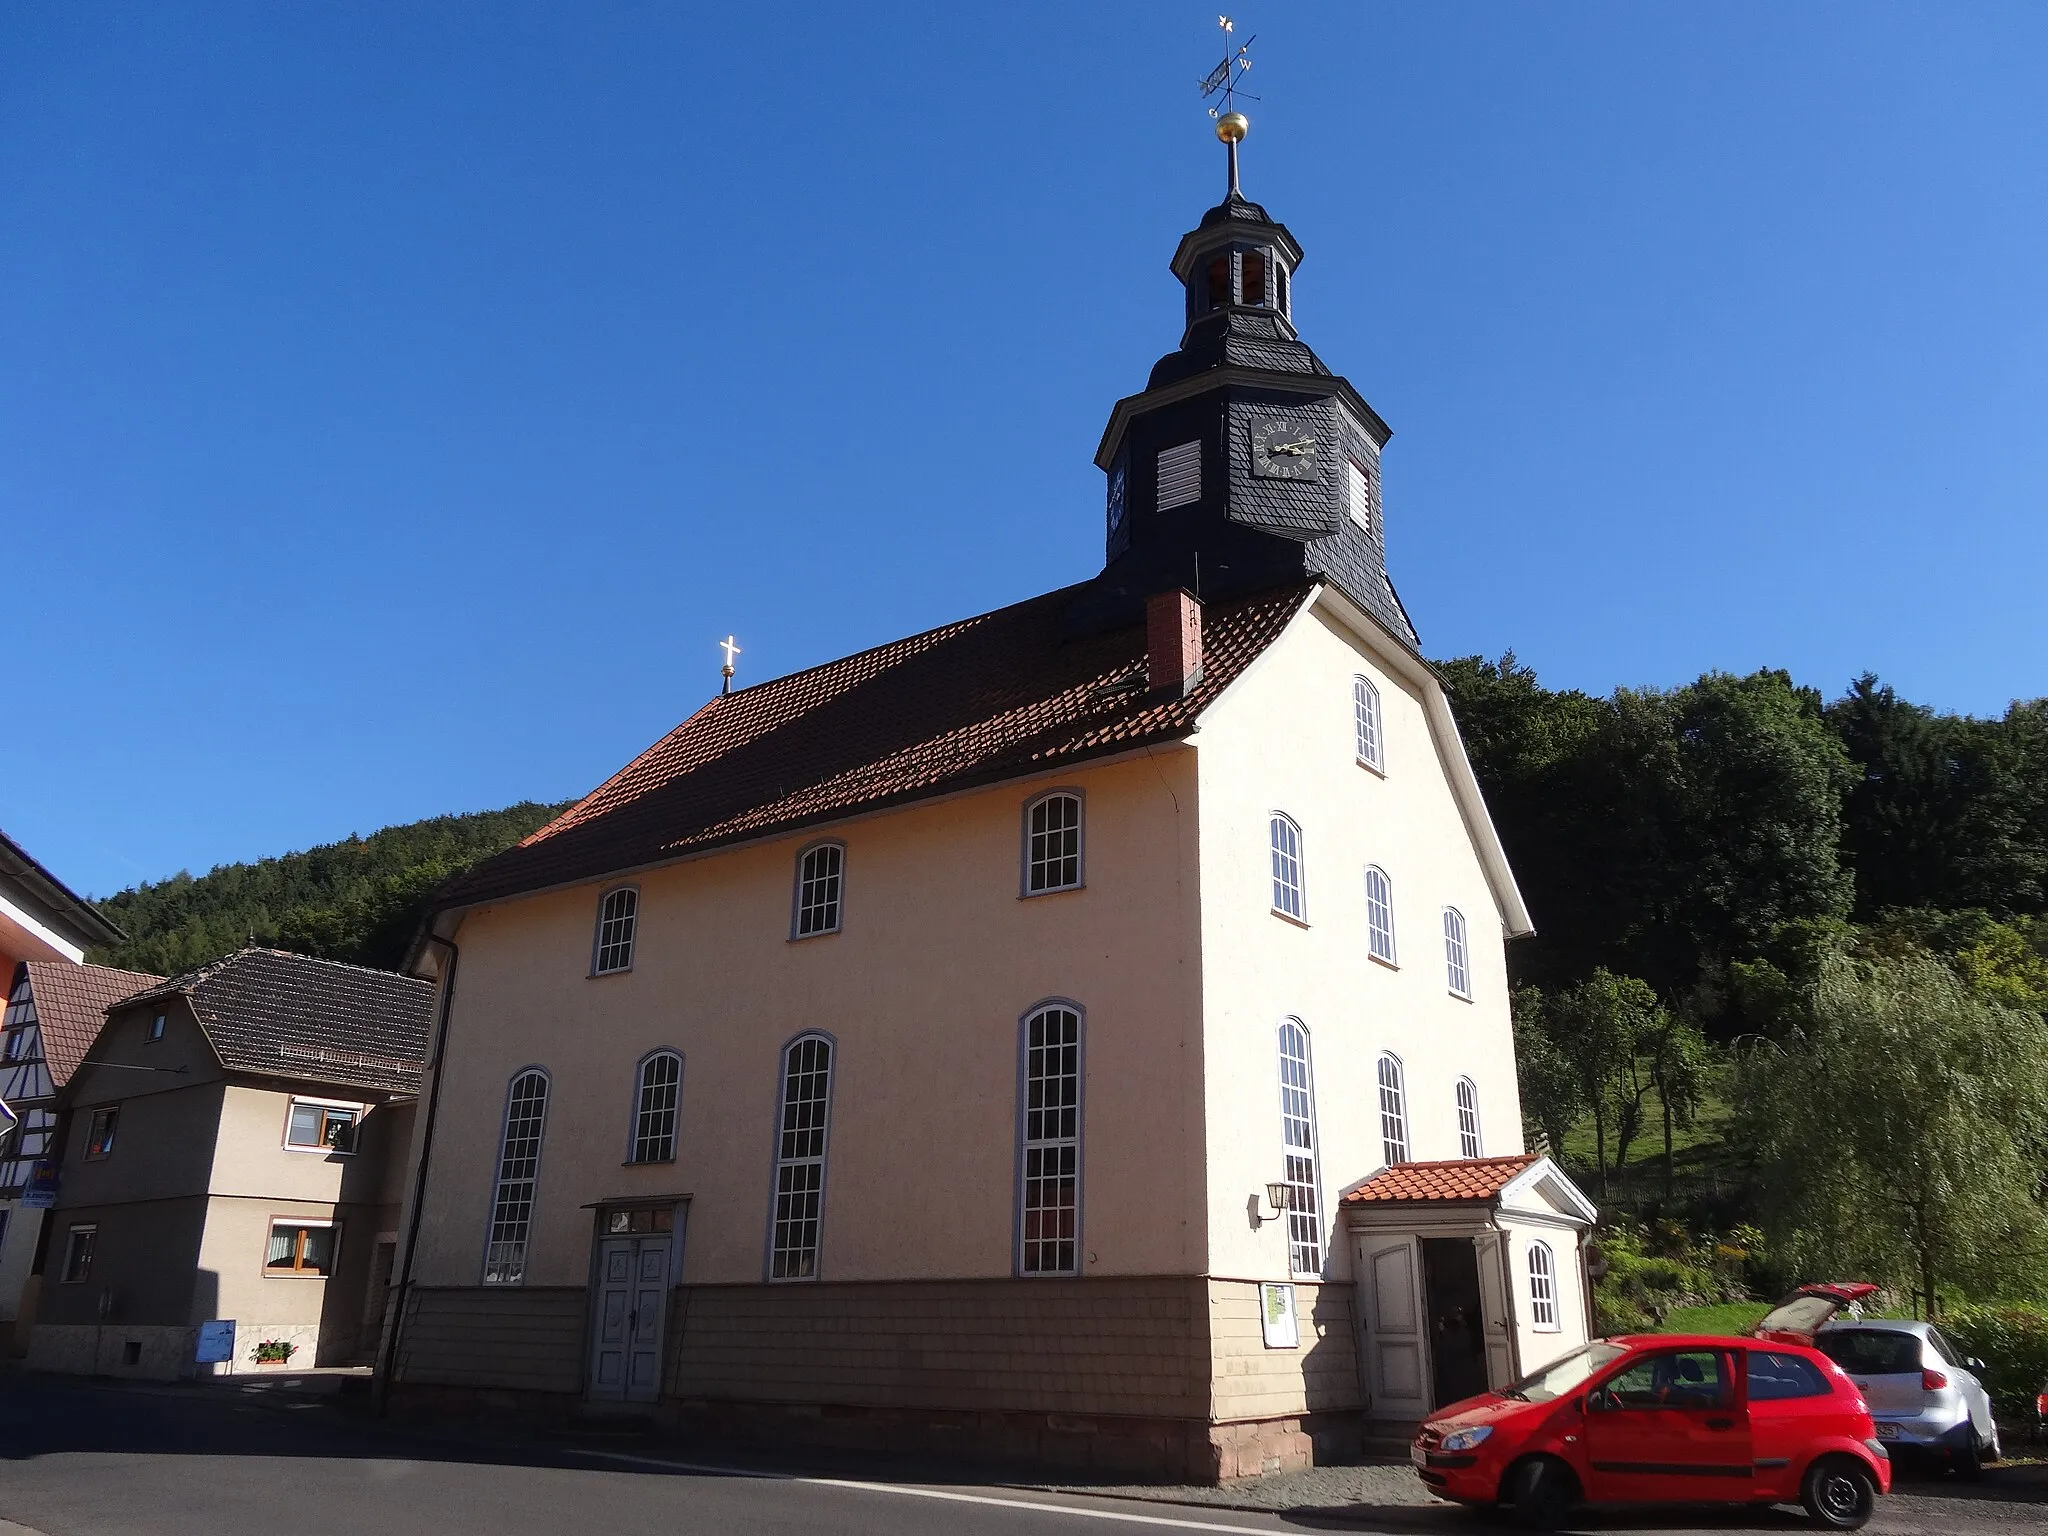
389, 1363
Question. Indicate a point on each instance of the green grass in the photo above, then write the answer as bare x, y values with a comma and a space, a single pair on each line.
1728, 1317
1710, 1184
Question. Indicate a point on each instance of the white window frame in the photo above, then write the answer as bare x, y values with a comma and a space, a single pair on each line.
1368, 732
1392, 1078
1179, 476
1379, 917
1470, 1143
298, 1224
112, 1112
90, 1231
1288, 867
1034, 858
1300, 1153
360, 1111
155, 1031
509, 1232
818, 892
639, 1136
1543, 1308
799, 1172
1457, 955
1049, 1146
617, 934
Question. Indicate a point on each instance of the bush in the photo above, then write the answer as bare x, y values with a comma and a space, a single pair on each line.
1650, 1273
2011, 1338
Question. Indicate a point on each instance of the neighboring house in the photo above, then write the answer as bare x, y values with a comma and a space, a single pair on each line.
231, 1148
41, 918
970, 1041
54, 1014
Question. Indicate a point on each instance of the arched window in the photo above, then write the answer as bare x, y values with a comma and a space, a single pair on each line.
1049, 1144
800, 1158
1393, 1110
1542, 1288
1379, 914
618, 913
1468, 1118
654, 1108
1298, 1152
1287, 874
1365, 721
1052, 843
819, 879
526, 1114
1460, 974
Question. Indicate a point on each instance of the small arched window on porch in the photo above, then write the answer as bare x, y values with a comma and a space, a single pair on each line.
1542, 1288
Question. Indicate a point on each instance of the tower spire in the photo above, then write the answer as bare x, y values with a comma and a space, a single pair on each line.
1223, 82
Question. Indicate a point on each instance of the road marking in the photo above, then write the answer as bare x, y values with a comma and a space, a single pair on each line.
1128, 1517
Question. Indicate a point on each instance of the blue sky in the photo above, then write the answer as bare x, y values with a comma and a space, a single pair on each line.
398, 402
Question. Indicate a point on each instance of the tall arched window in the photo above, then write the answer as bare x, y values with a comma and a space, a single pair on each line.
1379, 914
1288, 896
1458, 972
1052, 843
1542, 1288
655, 1100
1049, 1144
618, 913
819, 878
526, 1113
1393, 1109
1298, 1152
1365, 721
800, 1158
1468, 1118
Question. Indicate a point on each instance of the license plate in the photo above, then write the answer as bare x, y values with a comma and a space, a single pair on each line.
1887, 1431
1418, 1455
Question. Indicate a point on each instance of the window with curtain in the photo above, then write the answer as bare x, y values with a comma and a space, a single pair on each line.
800, 1158
654, 1108
300, 1248
1468, 1118
1393, 1109
1049, 1151
1365, 721
617, 916
1542, 1288
1379, 914
1298, 1152
1052, 844
321, 1127
819, 875
1288, 895
1459, 974
526, 1112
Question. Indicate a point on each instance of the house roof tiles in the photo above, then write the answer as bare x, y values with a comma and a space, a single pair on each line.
1454, 1180
71, 1005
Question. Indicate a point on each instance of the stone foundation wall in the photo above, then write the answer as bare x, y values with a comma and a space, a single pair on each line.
81, 1349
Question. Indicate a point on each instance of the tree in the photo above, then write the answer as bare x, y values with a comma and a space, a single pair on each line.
1678, 1064
1900, 1133
1552, 1100
1599, 1026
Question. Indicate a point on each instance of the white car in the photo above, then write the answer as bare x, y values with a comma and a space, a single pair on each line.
1923, 1393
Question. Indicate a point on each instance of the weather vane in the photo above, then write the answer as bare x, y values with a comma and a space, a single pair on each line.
1223, 82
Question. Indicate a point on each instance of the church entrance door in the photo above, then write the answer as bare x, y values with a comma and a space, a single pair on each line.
629, 1306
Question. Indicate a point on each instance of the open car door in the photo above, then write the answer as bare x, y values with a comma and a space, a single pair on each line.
1797, 1318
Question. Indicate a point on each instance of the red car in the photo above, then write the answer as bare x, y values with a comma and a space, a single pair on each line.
1664, 1419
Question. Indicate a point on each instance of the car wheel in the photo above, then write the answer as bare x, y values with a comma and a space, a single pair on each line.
1969, 1461
1541, 1491
1839, 1493
1996, 1450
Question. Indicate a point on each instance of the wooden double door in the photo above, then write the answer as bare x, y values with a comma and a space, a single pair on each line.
629, 1304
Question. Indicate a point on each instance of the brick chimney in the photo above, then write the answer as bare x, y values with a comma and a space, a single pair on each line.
1173, 641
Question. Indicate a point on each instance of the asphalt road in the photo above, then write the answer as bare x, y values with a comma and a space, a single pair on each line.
77, 1459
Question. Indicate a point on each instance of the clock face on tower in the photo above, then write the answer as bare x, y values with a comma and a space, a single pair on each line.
1116, 496
1284, 448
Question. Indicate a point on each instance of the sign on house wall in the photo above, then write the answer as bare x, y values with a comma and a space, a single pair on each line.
41, 1193
1276, 1316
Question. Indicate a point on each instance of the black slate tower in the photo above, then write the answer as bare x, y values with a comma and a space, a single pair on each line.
1245, 463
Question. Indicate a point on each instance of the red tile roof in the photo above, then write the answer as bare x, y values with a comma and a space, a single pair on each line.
71, 1005
1456, 1179
1000, 696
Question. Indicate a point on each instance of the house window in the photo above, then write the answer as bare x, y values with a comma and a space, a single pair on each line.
1542, 1288
1358, 493
99, 1135
1287, 884
1365, 724
300, 1248
1393, 1110
1379, 914
1253, 268
1459, 974
800, 1158
1180, 475
1049, 1160
1298, 1153
654, 1111
526, 1113
79, 1243
322, 1127
617, 916
1468, 1118
819, 873
17, 1038
1052, 834
156, 1027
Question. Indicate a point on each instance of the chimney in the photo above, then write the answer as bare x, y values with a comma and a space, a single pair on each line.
1173, 641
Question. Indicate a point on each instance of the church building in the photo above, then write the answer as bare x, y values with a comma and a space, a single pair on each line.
1080, 1032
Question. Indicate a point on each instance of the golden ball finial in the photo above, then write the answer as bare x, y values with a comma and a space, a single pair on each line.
1231, 127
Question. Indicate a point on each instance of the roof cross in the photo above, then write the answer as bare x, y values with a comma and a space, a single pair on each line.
731, 649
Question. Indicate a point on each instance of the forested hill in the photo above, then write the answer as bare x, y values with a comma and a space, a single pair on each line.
357, 900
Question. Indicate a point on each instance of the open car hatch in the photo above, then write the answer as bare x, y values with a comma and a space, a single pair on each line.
1799, 1316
